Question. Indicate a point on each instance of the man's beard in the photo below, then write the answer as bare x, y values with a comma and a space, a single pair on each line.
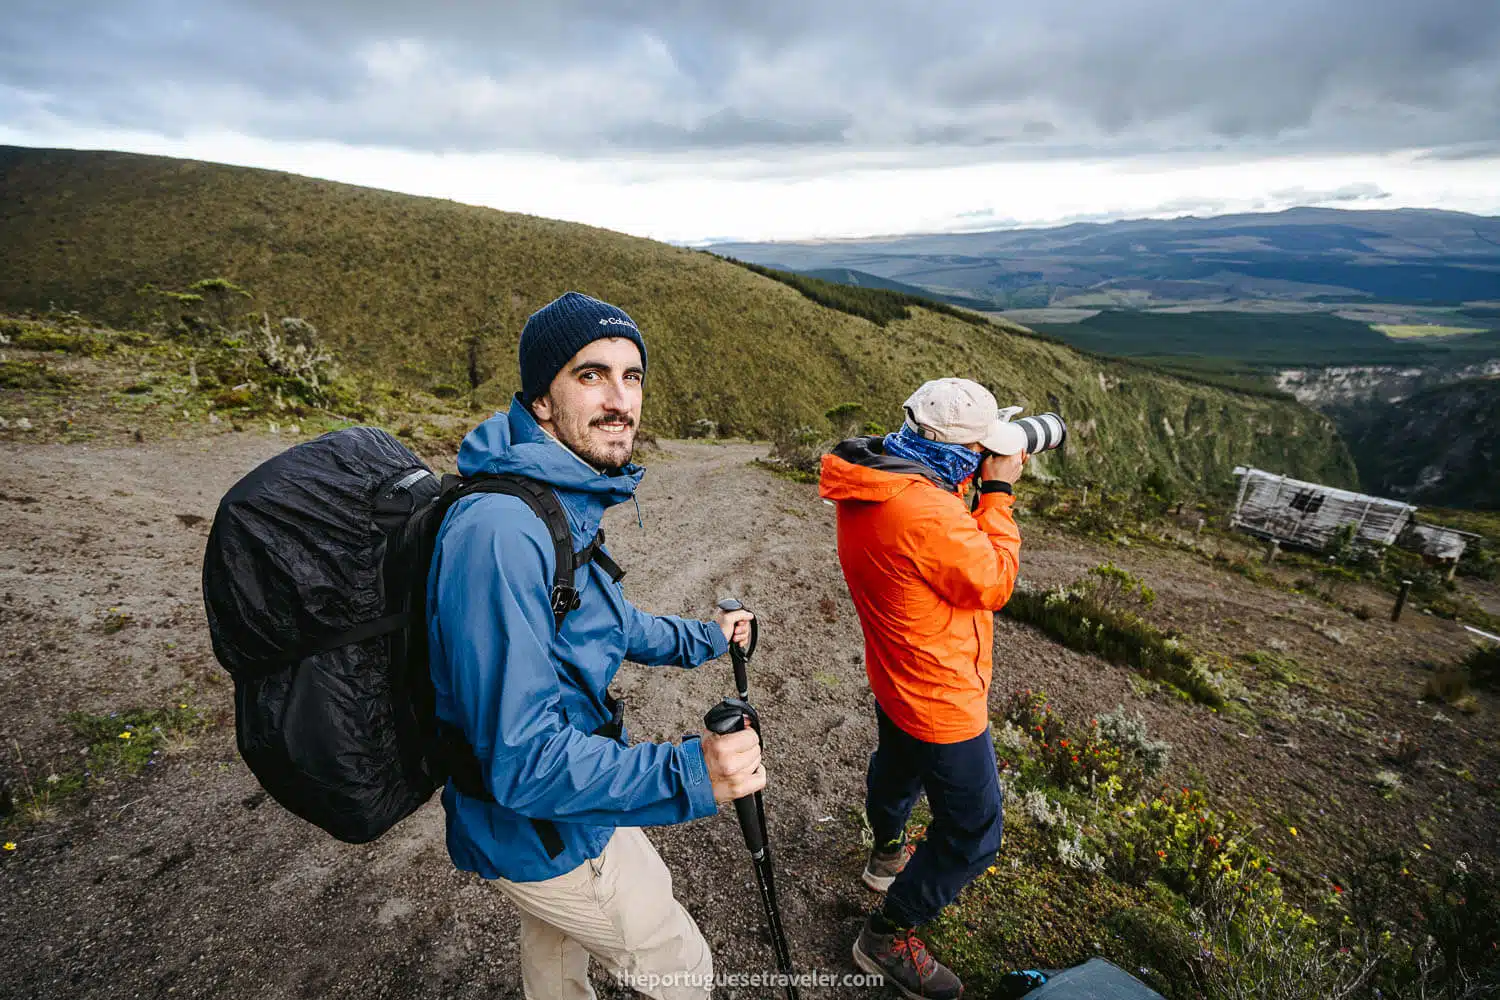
600, 454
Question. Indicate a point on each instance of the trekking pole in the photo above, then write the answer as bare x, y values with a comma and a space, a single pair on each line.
730, 716
740, 655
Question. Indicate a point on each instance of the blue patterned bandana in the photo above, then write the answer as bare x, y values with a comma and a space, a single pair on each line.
953, 463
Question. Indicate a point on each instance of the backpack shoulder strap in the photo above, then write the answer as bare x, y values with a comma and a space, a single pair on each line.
595, 552
463, 766
543, 501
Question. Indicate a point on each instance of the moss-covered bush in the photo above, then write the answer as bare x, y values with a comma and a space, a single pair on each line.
1483, 666
1080, 618
33, 375
85, 344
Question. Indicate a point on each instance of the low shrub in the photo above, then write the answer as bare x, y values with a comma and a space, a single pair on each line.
1481, 560
1483, 666
1427, 927
1461, 912
295, 357
1161, 883
44, 339
797, 453
1276, 667
844, 418
33, 376
1176, 838
1448, 684
1117, 588
229, 399
1128, 733
1064, 757
1078, 618
125, 743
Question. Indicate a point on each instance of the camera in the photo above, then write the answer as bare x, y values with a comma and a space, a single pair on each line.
1030, 435
1044, 432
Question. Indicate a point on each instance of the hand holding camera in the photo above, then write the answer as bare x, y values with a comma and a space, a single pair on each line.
1002, 468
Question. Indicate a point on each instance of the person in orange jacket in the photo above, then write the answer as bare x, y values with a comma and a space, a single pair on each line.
927, 574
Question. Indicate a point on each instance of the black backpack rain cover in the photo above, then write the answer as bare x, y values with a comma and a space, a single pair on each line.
314, 582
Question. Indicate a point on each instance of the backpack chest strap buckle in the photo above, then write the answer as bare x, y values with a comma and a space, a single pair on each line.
565, 599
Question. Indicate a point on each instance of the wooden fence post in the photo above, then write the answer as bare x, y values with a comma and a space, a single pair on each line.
1400, 600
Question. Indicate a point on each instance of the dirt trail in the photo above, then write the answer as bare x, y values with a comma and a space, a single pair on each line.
187, 882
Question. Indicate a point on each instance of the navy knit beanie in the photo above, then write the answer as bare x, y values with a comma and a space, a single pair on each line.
562, 328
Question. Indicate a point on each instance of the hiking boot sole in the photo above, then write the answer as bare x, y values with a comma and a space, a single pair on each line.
869, 965
879, 883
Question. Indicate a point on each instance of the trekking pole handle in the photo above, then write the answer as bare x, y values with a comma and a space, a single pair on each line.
741, 674
730, 716
740, 655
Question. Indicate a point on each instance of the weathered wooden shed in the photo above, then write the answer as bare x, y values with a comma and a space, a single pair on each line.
1437, 542
1308, 514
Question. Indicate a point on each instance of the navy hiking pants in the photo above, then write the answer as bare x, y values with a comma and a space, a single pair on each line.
963, 792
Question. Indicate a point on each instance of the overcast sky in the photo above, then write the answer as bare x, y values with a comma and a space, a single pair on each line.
698, 120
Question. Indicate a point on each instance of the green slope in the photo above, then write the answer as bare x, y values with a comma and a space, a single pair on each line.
1440, 446
864, 279
401, 285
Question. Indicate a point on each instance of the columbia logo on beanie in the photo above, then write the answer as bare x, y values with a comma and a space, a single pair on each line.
562, 328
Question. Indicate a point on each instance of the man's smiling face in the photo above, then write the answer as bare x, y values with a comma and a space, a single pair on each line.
594, 404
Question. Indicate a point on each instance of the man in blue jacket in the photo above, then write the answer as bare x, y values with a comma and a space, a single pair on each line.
561, 837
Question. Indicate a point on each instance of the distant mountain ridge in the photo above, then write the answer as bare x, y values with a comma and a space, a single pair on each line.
1301, 254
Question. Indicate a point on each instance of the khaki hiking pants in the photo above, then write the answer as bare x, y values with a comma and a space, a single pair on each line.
618, 908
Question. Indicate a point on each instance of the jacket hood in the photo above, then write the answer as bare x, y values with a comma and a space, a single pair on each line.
512, 442
859, 469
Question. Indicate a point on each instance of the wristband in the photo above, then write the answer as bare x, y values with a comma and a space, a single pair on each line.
996, 486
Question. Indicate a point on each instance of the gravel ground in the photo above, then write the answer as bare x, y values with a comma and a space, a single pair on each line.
188, 882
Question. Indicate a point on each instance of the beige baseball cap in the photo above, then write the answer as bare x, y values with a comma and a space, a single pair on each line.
958, 411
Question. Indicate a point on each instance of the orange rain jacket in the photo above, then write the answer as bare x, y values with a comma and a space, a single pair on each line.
926, 576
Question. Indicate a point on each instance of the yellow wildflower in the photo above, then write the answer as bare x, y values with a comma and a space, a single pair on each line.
126, 735
1293, 829
1428, 846
182, 706
10, 845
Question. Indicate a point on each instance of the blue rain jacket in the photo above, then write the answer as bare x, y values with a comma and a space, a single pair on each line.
528, 697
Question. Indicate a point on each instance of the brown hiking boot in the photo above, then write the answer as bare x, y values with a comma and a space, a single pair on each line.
902, 960
886, 863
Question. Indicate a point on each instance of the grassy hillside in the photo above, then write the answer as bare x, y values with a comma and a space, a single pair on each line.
864, 279
1440, 446
403, 286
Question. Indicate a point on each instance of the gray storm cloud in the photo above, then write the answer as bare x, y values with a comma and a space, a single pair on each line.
955, 80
